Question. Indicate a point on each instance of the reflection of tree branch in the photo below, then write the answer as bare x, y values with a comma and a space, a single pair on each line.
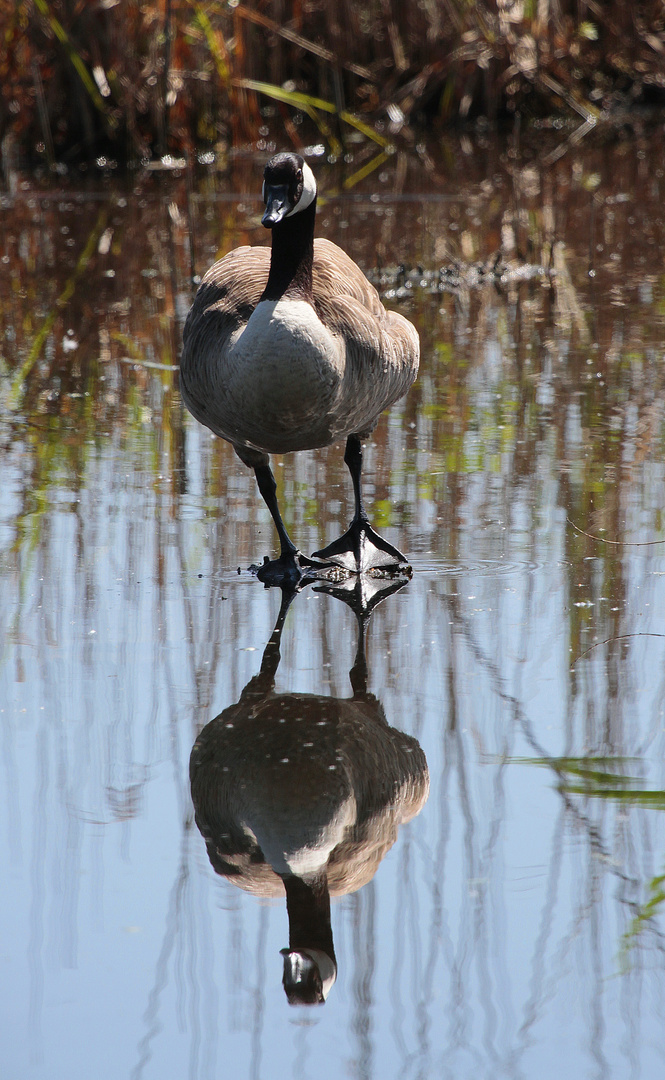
520, 717
259, 995
439, 929
396, 975
19, 377
613, 638
597, 1026
151, 1015
614, 543
178, 896
363, 904
537, 998
460, 999
202, 679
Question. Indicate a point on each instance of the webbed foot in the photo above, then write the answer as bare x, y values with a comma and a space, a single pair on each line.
292, 570
361, 549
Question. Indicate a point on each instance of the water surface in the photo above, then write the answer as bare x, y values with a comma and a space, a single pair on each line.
515, 928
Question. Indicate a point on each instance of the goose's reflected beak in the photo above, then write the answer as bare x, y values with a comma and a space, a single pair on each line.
278, 204
305, 983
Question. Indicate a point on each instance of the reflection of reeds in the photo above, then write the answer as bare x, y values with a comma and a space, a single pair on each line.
141, 290
168, 75
20, 376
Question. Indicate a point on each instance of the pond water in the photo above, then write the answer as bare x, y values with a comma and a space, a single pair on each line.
514, 926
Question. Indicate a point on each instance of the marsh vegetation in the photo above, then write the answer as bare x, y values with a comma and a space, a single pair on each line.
134, 81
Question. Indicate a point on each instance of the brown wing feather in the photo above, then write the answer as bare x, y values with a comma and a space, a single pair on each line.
235, 282
382, 347
336, 274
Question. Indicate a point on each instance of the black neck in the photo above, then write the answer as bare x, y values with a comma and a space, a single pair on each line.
308, 906
292, 256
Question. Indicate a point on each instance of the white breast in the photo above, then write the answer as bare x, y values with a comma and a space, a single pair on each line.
282, 374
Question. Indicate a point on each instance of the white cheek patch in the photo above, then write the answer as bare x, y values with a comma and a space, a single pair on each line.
308, 190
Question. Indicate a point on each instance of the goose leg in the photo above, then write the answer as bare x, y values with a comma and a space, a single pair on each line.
360, 548
292, 565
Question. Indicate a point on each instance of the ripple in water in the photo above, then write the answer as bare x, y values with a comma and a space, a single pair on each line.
475, 567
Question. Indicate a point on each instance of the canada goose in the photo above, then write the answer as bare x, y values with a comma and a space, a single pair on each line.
303, 795
290, 348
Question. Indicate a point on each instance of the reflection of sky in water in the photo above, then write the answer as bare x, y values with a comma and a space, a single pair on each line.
515, 928
499, 916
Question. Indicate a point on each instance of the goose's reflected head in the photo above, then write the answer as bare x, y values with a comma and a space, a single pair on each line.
289, 187
309, 975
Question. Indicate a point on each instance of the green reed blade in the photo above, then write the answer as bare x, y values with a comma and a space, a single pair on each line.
79, 66
308, 101
217, 51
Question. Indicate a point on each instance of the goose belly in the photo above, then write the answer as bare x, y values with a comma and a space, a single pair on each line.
281, 378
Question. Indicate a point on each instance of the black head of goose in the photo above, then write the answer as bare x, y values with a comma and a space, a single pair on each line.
290, 348
302, 795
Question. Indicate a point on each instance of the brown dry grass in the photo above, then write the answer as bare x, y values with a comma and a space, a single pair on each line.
132, 79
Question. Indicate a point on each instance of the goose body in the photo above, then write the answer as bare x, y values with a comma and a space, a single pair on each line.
290, 348
289, 374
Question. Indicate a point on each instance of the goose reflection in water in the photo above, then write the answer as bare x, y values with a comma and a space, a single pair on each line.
303, 795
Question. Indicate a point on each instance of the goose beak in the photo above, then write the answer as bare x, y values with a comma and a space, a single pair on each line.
278, 204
